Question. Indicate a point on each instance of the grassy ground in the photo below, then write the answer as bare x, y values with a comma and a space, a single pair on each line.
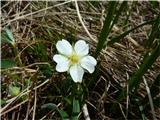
29, 80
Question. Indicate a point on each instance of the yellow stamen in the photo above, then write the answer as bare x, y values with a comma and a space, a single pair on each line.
74, 59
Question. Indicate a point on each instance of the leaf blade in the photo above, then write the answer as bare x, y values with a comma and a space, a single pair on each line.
106, 27
6, 63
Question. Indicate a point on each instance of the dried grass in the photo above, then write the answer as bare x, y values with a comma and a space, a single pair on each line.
31, 20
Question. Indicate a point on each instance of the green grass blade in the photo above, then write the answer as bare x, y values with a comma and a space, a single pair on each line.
154, 33
120, 37
135, 80
118, 13
148, 62
106, 27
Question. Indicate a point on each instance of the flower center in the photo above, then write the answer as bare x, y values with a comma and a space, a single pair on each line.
74, 59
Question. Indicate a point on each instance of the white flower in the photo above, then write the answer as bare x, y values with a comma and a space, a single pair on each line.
74, 59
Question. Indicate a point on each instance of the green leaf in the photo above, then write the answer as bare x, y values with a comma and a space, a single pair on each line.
7, 63
13, 90
64, 115
106, 27
7, 36
50, 106
76, 109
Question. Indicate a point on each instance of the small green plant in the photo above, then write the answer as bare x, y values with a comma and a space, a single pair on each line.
7, 37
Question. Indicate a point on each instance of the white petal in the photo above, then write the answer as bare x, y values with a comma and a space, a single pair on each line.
59, 58
62, 63
88, 63
62, 67
81, 48
76, 73
64, 47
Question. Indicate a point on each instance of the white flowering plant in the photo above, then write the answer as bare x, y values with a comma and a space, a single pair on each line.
74, 59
